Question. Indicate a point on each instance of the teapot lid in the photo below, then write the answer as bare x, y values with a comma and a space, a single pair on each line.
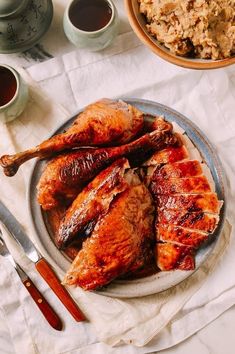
8, 7
23, 23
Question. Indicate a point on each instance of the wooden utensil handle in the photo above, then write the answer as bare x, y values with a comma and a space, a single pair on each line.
43, 305
53, 281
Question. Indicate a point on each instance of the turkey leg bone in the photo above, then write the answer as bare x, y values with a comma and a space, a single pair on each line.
105, 122
66, 174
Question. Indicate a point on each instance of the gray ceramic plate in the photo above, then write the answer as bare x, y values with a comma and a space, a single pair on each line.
163, 280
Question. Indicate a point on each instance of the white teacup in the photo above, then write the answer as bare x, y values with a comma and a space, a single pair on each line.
13, 93
81, 34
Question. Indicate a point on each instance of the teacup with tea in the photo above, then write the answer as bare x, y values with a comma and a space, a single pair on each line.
91, 24
13, 93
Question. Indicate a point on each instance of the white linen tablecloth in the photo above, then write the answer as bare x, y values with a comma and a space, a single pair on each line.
69, 82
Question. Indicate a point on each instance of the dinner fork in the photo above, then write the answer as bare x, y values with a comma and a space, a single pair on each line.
47, 311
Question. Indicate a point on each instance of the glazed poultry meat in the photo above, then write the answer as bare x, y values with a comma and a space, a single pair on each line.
92, 203
120, 241
174, 256
66, 175
207, 202
105, 122
124, 194
187, 209
127, 224
199, 220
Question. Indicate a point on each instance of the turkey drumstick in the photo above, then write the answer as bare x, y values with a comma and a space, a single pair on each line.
104, 122
65, 176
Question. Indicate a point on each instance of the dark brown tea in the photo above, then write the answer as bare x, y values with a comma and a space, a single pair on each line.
8, 86
90, 15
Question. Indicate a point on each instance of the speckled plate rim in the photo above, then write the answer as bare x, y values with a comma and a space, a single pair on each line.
137, 24
163, 280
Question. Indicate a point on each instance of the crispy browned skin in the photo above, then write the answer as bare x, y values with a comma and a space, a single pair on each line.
184, 201
93, 202
196, 220
191, 185
170, 256
202, 202
167, 155
104, 122
180, 169
66, 174
118, 243
180, 236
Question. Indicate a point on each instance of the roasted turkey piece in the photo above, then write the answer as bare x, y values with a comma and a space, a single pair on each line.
168, 155
173, 256
92, 203
197, 220
119, 243
206, 202
191, 185
180, 236
187, 208
65, 176
104, 122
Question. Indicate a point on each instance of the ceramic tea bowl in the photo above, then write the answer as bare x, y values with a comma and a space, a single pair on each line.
91, 40
15, 92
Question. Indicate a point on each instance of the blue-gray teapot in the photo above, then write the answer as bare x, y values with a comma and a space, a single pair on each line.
23, 23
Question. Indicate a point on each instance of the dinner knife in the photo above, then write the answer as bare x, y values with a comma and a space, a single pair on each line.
47, 311
42, 266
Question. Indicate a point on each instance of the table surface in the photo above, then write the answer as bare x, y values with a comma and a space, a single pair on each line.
217, 337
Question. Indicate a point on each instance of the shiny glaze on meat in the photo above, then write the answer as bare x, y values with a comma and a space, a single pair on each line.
171, 256
53, 220
105, 122
92, 203
65, 176
118, 243
180, 169
205, 202
192, 185
167, 155
184, 200
196, 220
180, 236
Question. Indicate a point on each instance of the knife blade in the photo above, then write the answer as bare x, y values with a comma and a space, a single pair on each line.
42, 266
45, 308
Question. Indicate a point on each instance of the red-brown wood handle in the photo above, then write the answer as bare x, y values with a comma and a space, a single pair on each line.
43, 305
53, 281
